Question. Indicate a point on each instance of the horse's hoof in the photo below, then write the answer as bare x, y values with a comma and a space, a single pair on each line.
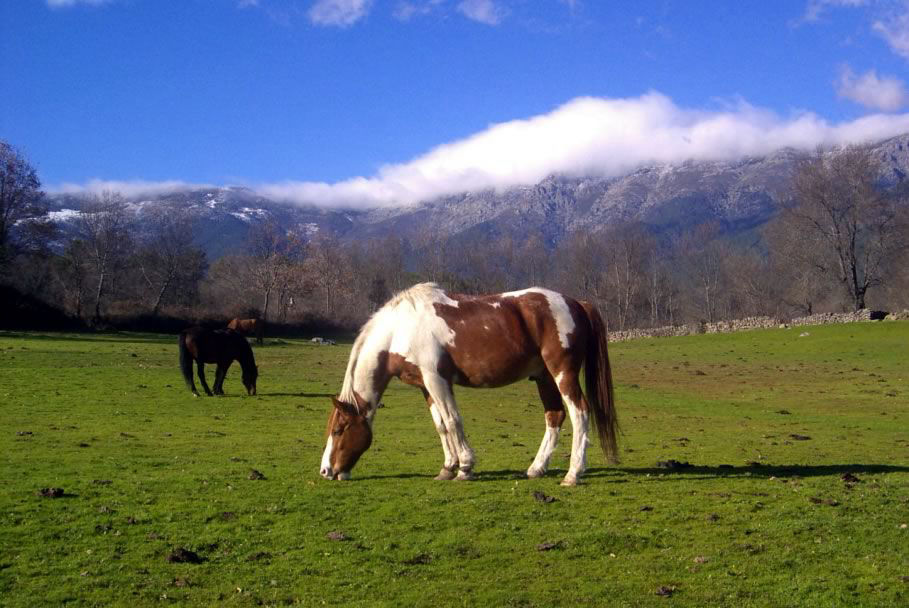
445, 475
465, 475
569, 483
535, 473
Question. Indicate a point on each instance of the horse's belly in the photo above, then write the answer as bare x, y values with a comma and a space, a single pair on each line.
488, 373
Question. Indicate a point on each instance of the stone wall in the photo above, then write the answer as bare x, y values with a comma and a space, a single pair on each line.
722, 327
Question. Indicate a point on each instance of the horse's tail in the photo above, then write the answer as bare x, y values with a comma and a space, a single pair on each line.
598, 384
186, 362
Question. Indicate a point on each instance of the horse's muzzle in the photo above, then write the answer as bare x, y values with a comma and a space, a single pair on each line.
327, 473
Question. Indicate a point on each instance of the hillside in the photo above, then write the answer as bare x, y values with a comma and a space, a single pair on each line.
739, 195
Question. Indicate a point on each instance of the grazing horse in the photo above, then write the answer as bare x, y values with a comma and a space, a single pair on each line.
220, 346
432, 340
248, 327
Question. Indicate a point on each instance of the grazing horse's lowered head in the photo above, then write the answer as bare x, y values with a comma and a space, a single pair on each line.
433, 340
349, 434
250, 375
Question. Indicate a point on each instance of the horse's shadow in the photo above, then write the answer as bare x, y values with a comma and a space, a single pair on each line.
305, 395
620, 474
749, 470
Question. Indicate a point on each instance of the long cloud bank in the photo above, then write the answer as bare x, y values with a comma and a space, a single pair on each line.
587, 136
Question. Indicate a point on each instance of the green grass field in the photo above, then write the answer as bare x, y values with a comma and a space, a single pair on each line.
770, 420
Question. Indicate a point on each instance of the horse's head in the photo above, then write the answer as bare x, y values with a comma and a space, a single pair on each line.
250, 374
349, 434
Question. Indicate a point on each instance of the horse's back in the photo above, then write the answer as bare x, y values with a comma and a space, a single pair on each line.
489, 340
214, 345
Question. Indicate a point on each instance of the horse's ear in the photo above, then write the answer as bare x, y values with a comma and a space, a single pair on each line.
338, 405
343, 408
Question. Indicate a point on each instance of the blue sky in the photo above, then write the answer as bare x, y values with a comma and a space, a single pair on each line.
383, 101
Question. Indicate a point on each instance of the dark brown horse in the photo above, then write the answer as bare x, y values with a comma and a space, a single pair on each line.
248, 327
219, 346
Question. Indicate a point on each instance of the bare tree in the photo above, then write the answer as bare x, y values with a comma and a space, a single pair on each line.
801, 283
20, 194
107, 236
71, 271
272, 251
627, 248
328, 269
580, 261
847, 228
170, 265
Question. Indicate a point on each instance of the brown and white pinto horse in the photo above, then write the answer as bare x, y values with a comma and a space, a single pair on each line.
248, 327
432, 340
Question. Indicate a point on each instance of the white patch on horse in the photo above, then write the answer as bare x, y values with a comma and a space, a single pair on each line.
547, 446
578, 442
393, 329
557, 306
325, 468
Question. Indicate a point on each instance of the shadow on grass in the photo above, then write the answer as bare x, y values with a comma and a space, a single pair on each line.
751, 470
89, 336
618, 474
313, 395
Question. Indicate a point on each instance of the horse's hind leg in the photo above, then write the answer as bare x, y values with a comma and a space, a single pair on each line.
201, 369
578, 411
555, 416
443, 399
450, 466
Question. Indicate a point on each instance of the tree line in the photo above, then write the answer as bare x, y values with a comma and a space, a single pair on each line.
838, 242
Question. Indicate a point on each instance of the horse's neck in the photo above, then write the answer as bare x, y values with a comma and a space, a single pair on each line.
365, 378
245, 357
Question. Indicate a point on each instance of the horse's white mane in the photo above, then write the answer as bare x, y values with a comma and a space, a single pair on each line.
421, 292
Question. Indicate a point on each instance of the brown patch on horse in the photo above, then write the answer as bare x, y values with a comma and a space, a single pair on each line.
508, 352
407, 372
554, 418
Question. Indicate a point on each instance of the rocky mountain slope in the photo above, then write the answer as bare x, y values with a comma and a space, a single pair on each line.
740, 195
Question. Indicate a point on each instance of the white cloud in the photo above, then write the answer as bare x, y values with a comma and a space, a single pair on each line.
881, 93
484, 11
65, 3
816, 8
340, 13
895, 31
588, 136
408, 9
131, 188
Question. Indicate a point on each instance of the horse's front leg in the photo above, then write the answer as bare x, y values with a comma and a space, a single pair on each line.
443, 400
220, 373
450, 465
201, 371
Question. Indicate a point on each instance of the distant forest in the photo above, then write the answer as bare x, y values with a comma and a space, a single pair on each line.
839, 243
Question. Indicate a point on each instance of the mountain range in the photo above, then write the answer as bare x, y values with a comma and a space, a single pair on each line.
739, 195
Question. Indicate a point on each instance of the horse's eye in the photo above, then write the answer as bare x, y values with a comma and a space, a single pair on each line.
337, 431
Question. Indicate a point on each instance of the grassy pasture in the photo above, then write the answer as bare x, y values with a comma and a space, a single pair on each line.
770, 420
